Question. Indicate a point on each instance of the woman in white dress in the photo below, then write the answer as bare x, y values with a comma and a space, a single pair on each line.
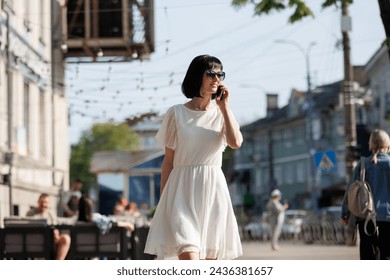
194, 218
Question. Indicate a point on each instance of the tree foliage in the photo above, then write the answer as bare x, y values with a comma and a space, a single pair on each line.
101, 137
302, 10
299, 7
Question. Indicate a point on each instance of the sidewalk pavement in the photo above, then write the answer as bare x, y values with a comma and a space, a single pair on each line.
289, 250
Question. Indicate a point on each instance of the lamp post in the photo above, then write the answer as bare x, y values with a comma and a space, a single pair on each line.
306, 54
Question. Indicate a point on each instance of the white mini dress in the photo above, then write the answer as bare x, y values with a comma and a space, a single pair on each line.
195, 212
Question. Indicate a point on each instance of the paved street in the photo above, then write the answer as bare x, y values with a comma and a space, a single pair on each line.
260, 250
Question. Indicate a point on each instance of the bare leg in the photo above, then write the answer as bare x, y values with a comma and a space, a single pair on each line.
189, 256
63, 244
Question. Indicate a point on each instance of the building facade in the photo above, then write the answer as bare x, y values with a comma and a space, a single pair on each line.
377, 71
33, 105
300, 151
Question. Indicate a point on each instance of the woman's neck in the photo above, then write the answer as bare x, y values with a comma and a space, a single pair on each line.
199, 104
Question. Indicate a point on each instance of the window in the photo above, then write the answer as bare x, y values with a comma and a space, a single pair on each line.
41, 17
301, 172
287, 138
258, 179
299, 135
27, 16
23, 141
316, 126
276, 137
289, 174
42, 125
278, 175
9, 3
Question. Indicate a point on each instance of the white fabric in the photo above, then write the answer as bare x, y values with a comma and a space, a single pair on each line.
34, 212
194, 213
68, 195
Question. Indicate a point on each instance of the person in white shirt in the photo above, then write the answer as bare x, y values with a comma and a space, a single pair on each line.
62, 241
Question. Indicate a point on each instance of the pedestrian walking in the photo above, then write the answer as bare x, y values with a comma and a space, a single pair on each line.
276, 211
194, 218
377, 174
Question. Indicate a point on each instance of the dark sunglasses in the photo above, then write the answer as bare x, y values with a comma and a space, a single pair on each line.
212, 74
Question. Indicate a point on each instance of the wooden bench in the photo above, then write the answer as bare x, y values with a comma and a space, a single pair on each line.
27, 242
87, 242
138, 241
33, 239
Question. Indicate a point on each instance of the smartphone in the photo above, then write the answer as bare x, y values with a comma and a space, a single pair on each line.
219, 93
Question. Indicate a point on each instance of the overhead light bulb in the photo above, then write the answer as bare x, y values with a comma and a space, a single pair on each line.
100, 52
64, 47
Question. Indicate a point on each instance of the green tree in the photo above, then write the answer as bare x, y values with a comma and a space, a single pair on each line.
101, 137
302, 10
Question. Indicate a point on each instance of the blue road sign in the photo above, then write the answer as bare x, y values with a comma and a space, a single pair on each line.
325, 161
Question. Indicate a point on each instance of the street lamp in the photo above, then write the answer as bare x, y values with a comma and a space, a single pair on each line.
306, 54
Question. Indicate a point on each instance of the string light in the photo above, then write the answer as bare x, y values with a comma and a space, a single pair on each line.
64, 48
100, 52
137, 92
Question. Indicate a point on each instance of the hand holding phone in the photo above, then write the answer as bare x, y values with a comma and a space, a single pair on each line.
220, 94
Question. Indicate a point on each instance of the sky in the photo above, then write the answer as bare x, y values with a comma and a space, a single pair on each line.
259, 54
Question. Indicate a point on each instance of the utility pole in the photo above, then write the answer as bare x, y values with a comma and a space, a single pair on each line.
348, 93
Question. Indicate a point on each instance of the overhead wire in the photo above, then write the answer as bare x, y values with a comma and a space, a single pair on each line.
141, 82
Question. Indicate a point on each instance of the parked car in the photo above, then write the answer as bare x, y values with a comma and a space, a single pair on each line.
258, 229
293, 221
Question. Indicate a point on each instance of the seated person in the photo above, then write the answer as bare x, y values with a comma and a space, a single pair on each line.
71, 199
145, 209
135, 215
104, 223
120, 206
132, 210
62, 241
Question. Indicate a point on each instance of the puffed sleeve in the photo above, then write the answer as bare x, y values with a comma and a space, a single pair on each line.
166, 135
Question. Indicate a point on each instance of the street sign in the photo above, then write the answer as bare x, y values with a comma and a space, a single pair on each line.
325, 161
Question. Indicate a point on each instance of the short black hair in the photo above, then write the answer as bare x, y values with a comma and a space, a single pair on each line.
85, 209
194, 76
